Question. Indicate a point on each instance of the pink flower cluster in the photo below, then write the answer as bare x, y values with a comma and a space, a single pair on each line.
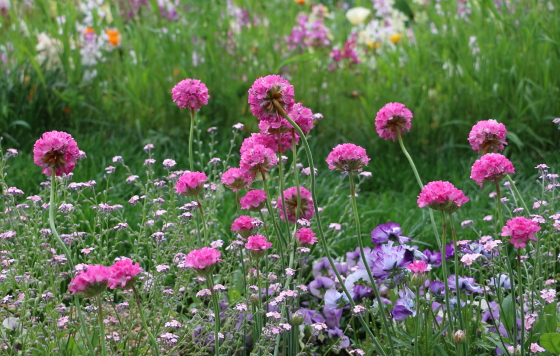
190, 183
254, 200
257, 159
418, 267
306, 236
243, 225
190, 93
203, 260
94, 279
391, 120
267, 90
305, 210
488, 135
440, 195
347, 158
491, 167
521, 230
236, 179
258, 243
58, 150
123, 274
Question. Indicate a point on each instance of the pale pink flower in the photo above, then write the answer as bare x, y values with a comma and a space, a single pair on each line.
347, 157
190, 183
254, 200
258, 159
488, 135
268, 141
469, 258
536, 348
190, 93
491, 167
123, 274
391, 120
418, 267
440, 195
58, 150
304, 211
90, 282
203, 260
236, 179
306, 236
521, 230
265, 92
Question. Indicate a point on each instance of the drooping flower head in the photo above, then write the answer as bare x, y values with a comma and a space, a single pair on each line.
268, 141
254, 200
190, 93
58, 150
190, 183
304, 211
257, 245
520, 229
440, 195
258, 159
265, 92
491, 167
347, 157
391, 120
90, 282
202, 261
244, 226
488, 135
306, 236
385, 232
236, 179
123, 274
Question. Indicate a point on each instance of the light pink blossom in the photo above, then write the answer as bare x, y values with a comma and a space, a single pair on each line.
391, 120
520, 229
254, 200
488, 135
440, 195
190, 93
265, 92
190, 183
347, 157
491, 167
236, 179
305, 210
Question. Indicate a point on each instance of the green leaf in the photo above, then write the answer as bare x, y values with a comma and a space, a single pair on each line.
439, 351
550, 317
19, 123
507, 312
551, 342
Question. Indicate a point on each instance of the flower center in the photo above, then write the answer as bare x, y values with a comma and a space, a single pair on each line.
54, 158
275, 93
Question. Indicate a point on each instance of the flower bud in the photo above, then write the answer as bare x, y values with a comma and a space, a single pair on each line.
418, 279
459, 337
297, 319
254, 299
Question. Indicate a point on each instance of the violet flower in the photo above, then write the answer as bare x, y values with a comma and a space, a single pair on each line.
404, 306
467, 284
388, 232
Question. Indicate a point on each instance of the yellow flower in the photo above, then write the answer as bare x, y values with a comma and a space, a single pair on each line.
373, 45
395, 38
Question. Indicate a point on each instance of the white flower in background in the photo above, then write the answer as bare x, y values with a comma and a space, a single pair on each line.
357, 15
49, 49
5, 6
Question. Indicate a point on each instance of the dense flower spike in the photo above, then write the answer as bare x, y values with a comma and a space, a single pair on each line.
191, 94
440, 195
491, 167
520, 229
58, 150
304, 211
265, 92
257, 245
123, 274
488, 135
254, 200
91, 282
258, 160
347, 158
385, 232
391, 120
202, 261
306, 236
190, 183
236, 179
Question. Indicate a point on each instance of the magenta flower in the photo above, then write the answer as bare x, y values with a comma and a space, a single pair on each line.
391, 120
255, 139
521, 230
123, 274
441, 195
258, 244
90, 282
302, 116
58, 150
190, 93
418, 267
254, 200
491, 167
347, 157
190, 183
202, 261
243, 225
235, 179
265, 92
304, 211
306, 236
258, 159
488, 135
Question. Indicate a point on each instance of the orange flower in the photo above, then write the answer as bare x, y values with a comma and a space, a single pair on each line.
300, 2
114, 37
89, 31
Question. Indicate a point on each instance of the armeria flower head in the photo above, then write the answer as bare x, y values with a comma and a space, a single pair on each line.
236, 179
488, 135
258, 159
440, 195
58, 150
123, 274
190, 93
302, 116
243, 225
306, 236
268, 141
391, 120
268, 95
90, 282
520, 229
257, 244
190, 183
418, 269
304, 211
254, 200
385, 232
491, 167
347, 157
202, 261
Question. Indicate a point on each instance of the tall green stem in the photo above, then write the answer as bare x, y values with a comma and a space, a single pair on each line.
203, 219
144, 324
101, 326
499, 205
445, 275
465, 345
191, 134
217, 320
271, 212
521, 303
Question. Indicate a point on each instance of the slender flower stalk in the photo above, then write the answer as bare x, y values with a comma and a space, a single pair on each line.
101, 325
445, 273
521, 302
144, 324
216, 306
271, 212
191, 134
465, 345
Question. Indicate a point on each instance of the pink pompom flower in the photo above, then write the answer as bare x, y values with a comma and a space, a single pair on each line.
190, 93
257, 244
123, 274
521, 230
202, 261
236, 179
268, 91
254, 200
90, 282
258, 159
491, 167
58, 150
418, 267
302, 116
306, 236
440, 195
304, 211
255, 139
190, 183
244, 226
488, 135
392, 119
347, 157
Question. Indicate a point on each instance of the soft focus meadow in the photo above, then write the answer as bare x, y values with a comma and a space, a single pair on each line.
279, 178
